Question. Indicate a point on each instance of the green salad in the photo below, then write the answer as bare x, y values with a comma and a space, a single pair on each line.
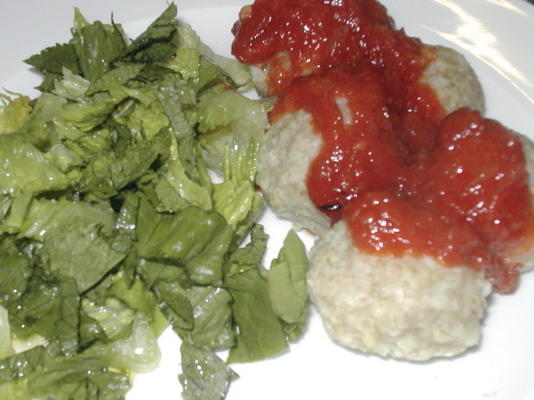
127, 207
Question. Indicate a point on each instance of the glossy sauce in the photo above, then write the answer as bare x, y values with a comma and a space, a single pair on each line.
407, 179
360, 148
291, 38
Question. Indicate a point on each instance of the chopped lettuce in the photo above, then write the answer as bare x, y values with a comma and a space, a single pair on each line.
113, 226
96, 46
205, 376
286, 284
5, 334
13, 113
261, 333
26, 168
80, 378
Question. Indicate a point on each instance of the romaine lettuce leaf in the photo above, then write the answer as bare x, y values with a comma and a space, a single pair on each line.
5, 334
78, 378
204, 375
96, 46
212, 313
13, 112
55, 58
25, 168
76, 239
286, 284
72, 86
261, 334
21, 365
119, 75
15, 271
230, 124
155, 43
138, 351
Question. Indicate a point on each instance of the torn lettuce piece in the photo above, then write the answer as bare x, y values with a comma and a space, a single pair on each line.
15, 271
212, 314
58, 299
42, 122
187, 58
137, 296
231, 123
14, 111
108, 172
204, 375
253, 252
16, 368
112, 315
80, 378
118, 76
173, 96
138, 351
96, 45
220, 109
92, 111
235, 198
175, 182
69, 317
148, 119
186, 62
155, 43
25, 167
5, 205
237, 71
168, 283
286, 284
5, 334
21, 365
193, 238
53, 59
261, 334
76, 239
71, 87
15, 390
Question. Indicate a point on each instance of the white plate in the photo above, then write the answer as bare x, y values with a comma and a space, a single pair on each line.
497, 38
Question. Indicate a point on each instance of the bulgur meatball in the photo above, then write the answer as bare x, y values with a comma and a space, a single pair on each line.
524, 253
287, 152
453, 80
407, 308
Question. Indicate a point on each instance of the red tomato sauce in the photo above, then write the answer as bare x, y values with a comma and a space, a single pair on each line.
292, 38
454, 189
407, 179
359, 149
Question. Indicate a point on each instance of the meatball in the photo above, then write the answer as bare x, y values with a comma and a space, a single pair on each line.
287, 152
524, 253
453, 80
406, 308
